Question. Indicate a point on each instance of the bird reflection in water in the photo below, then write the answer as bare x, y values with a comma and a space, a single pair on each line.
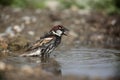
46, 63
51, 65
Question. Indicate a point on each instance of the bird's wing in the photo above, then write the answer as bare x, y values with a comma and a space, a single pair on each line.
40, 43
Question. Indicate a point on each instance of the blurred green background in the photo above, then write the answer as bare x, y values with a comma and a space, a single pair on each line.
109, 6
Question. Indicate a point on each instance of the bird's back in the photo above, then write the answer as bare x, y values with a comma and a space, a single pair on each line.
42, 47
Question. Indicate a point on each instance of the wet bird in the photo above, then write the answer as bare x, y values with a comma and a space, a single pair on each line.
47, 43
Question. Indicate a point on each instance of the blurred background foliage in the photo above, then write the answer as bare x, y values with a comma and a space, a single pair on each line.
110, 6
23, 3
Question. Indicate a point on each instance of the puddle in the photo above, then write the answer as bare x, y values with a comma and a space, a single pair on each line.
82, 61
91, 62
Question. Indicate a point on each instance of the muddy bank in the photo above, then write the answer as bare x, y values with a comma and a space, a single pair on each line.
87, 28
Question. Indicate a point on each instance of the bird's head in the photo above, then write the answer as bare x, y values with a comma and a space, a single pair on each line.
59, 30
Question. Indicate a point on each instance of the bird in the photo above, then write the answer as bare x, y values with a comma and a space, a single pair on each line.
47, 43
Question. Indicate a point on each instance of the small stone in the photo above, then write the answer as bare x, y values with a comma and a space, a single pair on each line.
9, 31
31, 33
53, 5
113, 22
17, 28
2, 66
26, 19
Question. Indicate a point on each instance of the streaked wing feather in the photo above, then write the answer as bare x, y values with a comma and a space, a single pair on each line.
39, 43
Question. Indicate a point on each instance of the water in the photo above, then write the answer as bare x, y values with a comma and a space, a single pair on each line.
81, 61
90, 62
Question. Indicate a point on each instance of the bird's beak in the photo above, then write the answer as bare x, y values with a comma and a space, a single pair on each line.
65, 31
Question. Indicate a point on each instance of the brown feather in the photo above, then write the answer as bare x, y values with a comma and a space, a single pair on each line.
40, 43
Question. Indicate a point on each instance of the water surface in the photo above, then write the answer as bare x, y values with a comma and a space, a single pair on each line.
91, 62
81, 61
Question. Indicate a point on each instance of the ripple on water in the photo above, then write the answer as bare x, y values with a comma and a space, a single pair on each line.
92, 62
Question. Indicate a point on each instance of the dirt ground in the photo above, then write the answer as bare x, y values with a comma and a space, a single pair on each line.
93, 29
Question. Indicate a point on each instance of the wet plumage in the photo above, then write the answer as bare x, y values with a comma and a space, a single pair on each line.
47, 43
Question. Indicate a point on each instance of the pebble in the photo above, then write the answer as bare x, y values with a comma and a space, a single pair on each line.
31, 33
2, 66
9, 31
52, 5
17, 28
113, 22
26, 19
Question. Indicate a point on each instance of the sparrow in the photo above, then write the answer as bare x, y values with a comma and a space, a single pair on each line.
47, 43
